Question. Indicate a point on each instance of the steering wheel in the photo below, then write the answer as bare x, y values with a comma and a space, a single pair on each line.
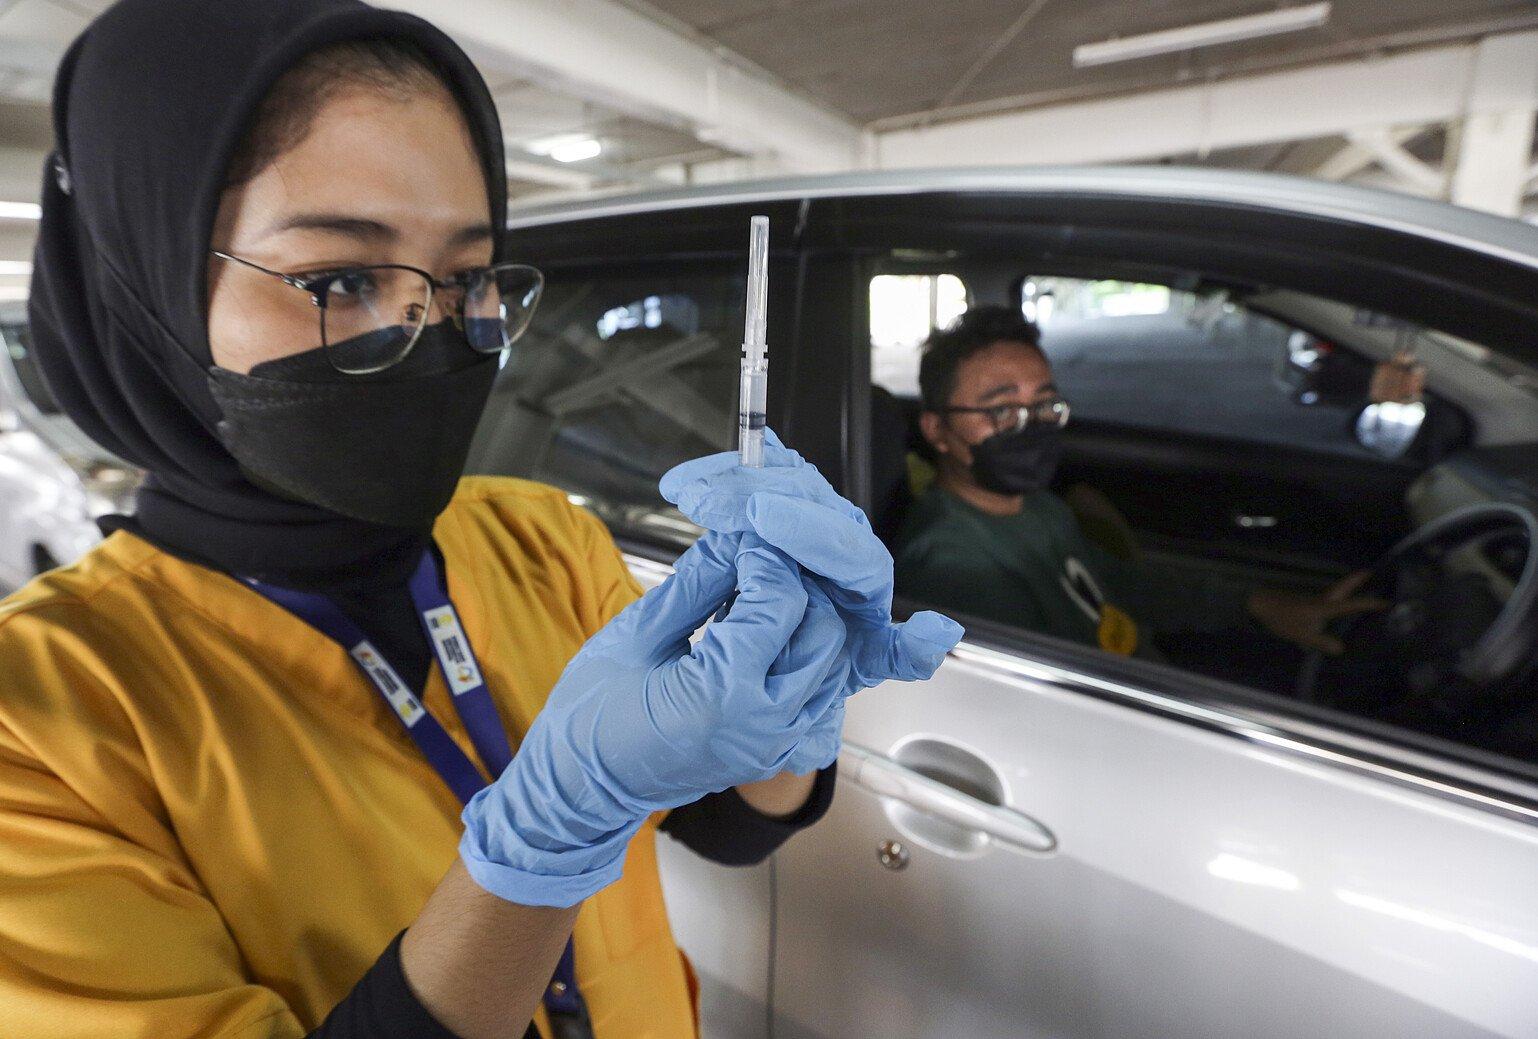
1442, 633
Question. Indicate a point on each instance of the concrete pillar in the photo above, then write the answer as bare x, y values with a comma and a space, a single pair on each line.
1494, 155
1495, 142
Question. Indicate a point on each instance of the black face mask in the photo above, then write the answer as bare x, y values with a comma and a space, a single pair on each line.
1018, 461
387, 447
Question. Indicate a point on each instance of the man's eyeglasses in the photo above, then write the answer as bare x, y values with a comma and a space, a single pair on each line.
1010, 418
371, 317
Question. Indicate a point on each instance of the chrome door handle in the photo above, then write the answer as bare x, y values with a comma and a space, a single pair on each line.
886, 778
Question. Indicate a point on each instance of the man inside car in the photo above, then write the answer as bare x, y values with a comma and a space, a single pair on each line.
991, 539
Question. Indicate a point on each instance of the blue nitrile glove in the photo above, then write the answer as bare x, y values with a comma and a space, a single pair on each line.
819, 746
790, 505
639, 722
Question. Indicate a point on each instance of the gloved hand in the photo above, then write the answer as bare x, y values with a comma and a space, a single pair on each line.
638, 722
819, 746
791, 506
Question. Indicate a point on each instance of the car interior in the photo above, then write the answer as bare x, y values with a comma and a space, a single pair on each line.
1228, 430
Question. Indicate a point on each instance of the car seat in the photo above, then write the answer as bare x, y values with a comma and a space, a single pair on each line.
889, 493
901, 460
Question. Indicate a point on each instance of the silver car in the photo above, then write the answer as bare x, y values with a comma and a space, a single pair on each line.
54, 481
1049, 840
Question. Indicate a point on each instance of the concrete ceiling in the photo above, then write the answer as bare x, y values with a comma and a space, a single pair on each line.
900, 62
35, 33
700, 90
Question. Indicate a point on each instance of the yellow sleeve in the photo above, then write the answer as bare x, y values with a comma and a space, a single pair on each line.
102, 934
614, 586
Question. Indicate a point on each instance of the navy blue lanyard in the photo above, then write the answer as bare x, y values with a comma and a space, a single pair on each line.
472, 702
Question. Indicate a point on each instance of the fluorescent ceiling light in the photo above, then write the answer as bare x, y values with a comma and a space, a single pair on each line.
20, 211
13, 293
567, 147
1207, 34
576, 151
15, 267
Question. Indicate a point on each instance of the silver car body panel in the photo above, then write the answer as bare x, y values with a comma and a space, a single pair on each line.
42, 505
1202, 886
57, 430
43, 501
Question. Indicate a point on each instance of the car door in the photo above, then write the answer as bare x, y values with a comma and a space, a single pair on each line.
1048, 841
1204, 873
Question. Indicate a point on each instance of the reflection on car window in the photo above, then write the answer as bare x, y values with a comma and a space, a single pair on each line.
620, 377
1161, 358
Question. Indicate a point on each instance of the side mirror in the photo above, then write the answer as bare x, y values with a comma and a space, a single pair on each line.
1388, 429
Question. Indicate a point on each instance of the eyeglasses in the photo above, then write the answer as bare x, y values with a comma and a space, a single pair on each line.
1010, 418
371, 317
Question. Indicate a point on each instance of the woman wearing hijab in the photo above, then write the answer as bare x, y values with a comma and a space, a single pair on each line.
257, 749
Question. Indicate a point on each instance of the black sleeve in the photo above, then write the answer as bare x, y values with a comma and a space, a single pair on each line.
724, 828
382, 1006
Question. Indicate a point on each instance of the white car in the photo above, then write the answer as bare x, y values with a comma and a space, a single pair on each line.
1048, 840
54, 481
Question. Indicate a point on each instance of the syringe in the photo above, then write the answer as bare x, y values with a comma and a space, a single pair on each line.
752, 406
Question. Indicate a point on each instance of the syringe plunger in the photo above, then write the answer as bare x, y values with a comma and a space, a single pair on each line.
758, 288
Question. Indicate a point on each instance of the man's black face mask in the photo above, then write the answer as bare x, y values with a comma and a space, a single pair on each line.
388, 448
1018, 460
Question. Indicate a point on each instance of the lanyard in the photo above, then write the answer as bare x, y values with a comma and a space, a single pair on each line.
472, 702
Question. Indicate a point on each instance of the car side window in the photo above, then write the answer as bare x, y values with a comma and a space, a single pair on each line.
1165, 359
621, 376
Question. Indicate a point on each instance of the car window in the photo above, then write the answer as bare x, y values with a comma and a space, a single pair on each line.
1161, 358
1199, 552
621, 376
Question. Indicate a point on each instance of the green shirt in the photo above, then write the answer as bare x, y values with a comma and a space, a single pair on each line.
1037, 570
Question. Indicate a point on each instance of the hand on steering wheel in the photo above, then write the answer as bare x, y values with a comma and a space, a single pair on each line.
1304, 619
1448, 629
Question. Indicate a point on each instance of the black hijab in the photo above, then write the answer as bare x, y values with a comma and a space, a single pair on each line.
150, 103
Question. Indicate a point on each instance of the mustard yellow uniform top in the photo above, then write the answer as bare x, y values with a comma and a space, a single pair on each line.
212, 825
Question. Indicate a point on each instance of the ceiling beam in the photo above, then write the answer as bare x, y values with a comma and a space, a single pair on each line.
1436, 85
1352, 158
612, 55
1388, 152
